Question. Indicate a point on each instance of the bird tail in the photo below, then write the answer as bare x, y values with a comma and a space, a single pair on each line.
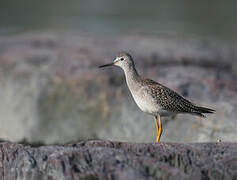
203, 110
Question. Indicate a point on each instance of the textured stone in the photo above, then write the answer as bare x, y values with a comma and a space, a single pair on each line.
118, 161
52, 90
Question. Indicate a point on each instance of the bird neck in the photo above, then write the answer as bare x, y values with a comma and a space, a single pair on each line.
132, 77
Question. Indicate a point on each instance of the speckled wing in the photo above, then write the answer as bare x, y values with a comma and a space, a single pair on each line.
172, 101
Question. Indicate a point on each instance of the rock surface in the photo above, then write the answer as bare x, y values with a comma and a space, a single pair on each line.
103, 160
52, 90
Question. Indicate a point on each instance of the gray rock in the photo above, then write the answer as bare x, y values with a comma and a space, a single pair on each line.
52, 90
119, 161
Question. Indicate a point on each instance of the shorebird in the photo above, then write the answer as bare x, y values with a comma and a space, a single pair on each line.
152, 97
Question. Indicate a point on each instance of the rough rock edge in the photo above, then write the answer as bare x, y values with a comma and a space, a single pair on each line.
119, 160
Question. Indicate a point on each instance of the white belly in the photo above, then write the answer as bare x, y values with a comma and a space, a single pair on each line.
148, 104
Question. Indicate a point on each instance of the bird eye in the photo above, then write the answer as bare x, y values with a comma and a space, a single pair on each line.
121, 59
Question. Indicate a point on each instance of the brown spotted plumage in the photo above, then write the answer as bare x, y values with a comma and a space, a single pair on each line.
154, 98
172, 101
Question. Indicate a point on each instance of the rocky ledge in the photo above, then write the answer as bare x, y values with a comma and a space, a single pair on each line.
119, 160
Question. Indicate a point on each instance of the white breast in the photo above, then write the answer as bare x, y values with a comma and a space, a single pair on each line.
145, 101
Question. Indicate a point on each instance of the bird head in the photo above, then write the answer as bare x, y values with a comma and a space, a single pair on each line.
123, 60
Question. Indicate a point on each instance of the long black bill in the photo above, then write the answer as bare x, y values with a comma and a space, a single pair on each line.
111, 64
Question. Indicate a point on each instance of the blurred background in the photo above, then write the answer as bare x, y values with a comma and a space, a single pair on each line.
53, 92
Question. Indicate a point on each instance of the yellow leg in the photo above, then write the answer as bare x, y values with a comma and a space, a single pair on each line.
161, 129
158, 128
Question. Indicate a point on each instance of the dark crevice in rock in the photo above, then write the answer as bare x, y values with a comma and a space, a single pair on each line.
205, 175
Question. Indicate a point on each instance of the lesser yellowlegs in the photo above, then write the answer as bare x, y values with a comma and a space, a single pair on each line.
154, 98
